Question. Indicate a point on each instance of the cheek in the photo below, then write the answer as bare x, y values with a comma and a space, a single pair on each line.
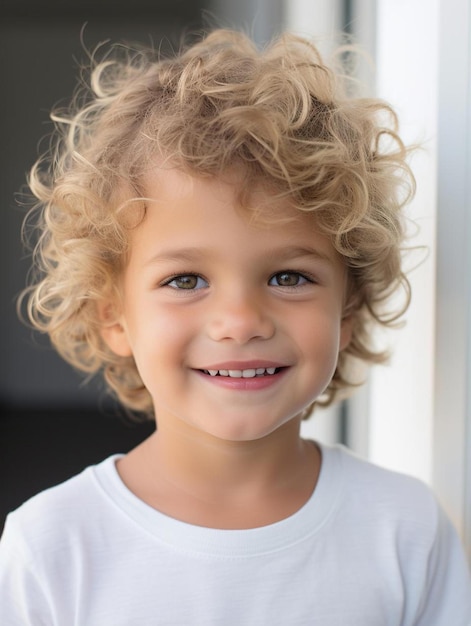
319, 324
175, 324
161, 335
321, 338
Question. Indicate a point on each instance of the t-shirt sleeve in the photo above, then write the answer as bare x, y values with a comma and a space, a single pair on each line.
22, 598
446, 598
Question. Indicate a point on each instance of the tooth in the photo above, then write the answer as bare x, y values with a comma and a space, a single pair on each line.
248, 373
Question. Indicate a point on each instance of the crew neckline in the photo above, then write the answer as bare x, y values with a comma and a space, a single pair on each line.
183, 536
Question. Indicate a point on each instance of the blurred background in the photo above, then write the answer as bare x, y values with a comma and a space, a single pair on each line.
414, 415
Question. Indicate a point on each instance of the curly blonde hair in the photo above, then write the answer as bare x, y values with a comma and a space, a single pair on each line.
280, 115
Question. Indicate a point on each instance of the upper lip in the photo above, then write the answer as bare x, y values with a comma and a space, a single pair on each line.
243, 365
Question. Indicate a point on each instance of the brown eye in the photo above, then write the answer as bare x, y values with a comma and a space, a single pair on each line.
287, 279
187, 281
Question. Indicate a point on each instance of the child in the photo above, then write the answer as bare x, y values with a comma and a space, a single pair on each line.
219, 234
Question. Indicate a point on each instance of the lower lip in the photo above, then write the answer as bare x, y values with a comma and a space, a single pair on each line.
245, 384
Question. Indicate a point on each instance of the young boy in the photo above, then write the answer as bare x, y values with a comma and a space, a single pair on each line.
219, 234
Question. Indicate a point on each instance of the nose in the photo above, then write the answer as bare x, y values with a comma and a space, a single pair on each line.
240, 318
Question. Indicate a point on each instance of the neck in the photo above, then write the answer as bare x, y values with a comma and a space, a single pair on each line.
224, 483
219, 464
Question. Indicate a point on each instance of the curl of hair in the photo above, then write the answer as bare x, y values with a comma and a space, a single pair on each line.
279, 114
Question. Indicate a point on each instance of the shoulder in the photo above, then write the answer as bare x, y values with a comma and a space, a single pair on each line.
394, 522
51, 517
386, 506
379, 488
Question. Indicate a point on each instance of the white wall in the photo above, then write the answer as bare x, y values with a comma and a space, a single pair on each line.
452, 435
401, 399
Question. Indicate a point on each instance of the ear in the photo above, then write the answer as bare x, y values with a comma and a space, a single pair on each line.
346, 330
113, 331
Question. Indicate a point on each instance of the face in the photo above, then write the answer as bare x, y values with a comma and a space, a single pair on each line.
235, 327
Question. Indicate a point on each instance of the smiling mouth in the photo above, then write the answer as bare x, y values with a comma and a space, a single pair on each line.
258, 372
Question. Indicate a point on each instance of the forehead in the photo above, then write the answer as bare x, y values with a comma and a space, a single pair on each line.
192, 218
166, 186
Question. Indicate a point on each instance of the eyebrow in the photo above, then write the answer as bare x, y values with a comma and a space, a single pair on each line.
177, 254
294, 252
287, 253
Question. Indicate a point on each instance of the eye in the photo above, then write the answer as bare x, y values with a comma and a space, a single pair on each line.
187, 282
288, 279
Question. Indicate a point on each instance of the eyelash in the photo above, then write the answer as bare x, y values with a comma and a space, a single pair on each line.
305, 279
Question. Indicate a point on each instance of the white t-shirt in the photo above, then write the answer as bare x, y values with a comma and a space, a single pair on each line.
369, 548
